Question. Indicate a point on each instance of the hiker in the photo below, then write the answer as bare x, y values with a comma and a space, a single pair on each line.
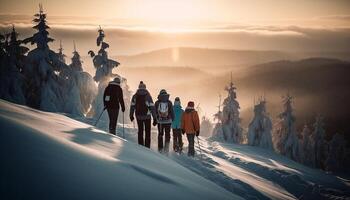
165, 116
143, 107
176, 126
190, 126
112, 97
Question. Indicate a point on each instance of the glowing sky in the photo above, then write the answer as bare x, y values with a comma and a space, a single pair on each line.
170, 13
135, 26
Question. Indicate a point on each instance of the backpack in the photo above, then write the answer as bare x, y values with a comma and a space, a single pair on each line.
163, 110
141, 107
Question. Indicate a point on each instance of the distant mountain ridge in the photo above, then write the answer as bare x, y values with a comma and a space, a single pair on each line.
190, 56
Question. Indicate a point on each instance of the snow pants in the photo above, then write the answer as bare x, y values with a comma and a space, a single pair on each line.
177, 140
163, 128
144, 126
190, 138
113, 119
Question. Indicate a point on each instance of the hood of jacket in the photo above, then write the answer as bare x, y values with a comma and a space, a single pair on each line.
163, 97
189, 109
113, 83
142, 92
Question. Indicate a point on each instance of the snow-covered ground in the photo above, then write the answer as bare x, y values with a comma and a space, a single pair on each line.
50, 156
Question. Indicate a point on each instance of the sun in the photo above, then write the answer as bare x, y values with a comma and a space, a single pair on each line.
168, 14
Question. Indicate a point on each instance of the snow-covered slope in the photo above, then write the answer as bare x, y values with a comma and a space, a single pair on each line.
253, 172
256, 173
50, 156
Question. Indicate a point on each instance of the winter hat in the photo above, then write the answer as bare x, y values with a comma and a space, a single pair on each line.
142, 85
190, 104
117, 80
162, 92
177, 101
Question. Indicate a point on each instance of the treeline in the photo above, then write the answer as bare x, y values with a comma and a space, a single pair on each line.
40, 78
308, 147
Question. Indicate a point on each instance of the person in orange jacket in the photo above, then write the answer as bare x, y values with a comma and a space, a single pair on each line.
190, 125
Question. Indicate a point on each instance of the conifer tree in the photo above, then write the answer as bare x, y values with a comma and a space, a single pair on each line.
286, 139
206, 127
45, 87
61, 55
76, 64
319, 143
230, 128
103, 75
337, 153
217, 132
307, 152
259, 131
12, 59
83, 80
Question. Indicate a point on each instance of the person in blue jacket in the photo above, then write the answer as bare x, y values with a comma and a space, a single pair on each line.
176, 125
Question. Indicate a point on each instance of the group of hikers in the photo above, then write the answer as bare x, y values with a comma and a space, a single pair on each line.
166, 116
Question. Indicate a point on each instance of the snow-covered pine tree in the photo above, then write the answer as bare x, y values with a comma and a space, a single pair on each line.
231, 128
319, 143
206, 127
103, 75
12, 58
45, 88
61, 55
286, 138
337, 153
307, 153
260, 128
83, 80
76, 64
102, 63
217, 133
80, 87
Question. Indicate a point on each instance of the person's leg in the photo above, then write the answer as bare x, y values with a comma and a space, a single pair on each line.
190, 138
147, 124
160, 137
179, 140
167, 137
175, 140
109, 111
140, 132
112, 120
116, 119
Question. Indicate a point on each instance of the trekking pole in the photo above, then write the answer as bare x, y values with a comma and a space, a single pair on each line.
123, 126
199, 147
98, 119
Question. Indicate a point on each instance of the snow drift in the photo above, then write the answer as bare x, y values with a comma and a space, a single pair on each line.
50, 156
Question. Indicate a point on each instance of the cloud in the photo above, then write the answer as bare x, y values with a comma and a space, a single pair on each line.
334, 17
137, 39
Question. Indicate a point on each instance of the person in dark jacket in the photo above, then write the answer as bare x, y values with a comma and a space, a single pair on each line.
112, 98
143, 107
165, 116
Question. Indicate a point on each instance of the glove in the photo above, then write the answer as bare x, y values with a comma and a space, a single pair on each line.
131, 118
154, 123
197, 133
